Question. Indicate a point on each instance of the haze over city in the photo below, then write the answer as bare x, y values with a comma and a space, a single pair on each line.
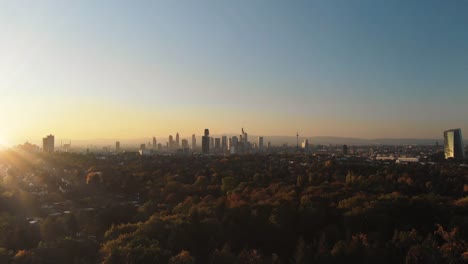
123, 70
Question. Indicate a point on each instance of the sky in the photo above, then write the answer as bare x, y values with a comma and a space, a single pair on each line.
127, 69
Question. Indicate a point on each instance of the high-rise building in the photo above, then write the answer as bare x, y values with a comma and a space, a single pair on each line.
206, 142
223, 143
234, 144
260, 143
212, 144
194, 142
48, 144
117, 146
171, 142
142, 146
177, 140
453, 141
155, 145
297, 139
305, 144
185, 144
217, 144
345, 149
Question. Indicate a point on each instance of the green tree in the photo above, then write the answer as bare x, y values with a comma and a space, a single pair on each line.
228, 184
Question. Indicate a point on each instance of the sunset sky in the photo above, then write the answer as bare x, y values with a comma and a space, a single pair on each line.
127, 69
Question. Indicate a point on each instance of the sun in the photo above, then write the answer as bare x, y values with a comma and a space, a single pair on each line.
3, 141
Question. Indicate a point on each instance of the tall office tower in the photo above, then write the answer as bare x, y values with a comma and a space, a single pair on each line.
305, 144
212, 142
48, 144
177, 140
345, 150
234, 144
244, 137
142, 146
171, 142
217, 144
206, 142
223, 143
241, 138
155, 145
117, 146
269, 145
185, 144
297, 139
260, 143
453, 141
229, 144
194, 142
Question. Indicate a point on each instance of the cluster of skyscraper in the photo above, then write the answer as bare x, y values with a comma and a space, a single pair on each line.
171, 145
231, 145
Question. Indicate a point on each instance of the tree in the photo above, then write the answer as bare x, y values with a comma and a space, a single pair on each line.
228, 184
183, 257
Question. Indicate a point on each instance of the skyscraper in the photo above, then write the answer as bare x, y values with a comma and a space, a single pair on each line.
305, 144
217, 144
185, 144
48, 144
229, 144
206, 142
154, 143
194, 142
223, 143
297, 139
235, 143
117, 146
177, 142
171, 142
453, 141
260, 143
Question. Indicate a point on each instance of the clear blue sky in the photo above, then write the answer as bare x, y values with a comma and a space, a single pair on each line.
357, 68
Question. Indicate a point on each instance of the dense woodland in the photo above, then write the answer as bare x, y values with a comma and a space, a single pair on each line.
236, 209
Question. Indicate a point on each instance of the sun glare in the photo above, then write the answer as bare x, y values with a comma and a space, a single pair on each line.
3, 141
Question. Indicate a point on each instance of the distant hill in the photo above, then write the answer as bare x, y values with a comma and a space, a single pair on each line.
323, 140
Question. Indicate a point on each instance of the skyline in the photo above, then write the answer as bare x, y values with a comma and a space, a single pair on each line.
276, 140
112, 69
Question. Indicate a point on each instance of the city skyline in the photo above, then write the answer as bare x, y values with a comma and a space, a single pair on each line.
170, 142
277, 139
373, 69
